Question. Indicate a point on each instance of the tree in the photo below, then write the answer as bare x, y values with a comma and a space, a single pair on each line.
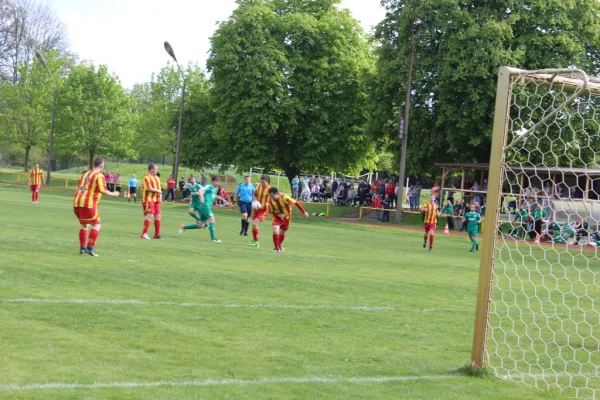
157, 106
26, 105
27, 26
289, 89
460, 46
95, 114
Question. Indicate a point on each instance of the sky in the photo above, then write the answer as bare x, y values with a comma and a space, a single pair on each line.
128, 35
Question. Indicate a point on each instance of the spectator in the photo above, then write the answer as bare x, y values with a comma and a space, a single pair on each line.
182, 188
109, 182
476, 196
334, 186
389, 190
435, 190
381, 190
451, 194
118, 183
314, 192
376, 203
186, 189
558, 191
416, 196
574, 193
387, 204
295, 187
537, 214
449, 211
546, 200
350, 196
306, 181
170, 188
338, 195
484, 188
305, 194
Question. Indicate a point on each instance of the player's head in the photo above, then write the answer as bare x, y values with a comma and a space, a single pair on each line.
247, 179
98, 163
473, 207
274, 193
215, 181
36, 165
192, 180
265, 180
133, 175
152, 169
449, 202
432, 198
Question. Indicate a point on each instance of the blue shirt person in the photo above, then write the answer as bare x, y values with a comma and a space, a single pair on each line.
295, 186
132, 189
245, 193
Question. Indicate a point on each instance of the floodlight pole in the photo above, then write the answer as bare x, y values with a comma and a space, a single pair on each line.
403, 123
42, 60
170, 51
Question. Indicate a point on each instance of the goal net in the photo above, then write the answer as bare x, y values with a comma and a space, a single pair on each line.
538, 311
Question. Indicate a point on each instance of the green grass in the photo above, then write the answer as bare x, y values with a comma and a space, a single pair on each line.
251, 314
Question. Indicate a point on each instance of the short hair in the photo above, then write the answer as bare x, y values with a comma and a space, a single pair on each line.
151, 166
246, 176
214, 178
273, 190
265, 178
98, 161
37, 162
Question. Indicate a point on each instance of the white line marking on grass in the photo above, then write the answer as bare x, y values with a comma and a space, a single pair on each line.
222, 382
232, 305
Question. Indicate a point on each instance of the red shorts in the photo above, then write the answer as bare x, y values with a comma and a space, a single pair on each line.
35, 188
261, 215
87, 215
430, 227
284, 225
151, 208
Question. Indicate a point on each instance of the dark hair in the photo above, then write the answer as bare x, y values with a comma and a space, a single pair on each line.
265, 178
273, 190
246, 176
214, 178
98, 161
151, 166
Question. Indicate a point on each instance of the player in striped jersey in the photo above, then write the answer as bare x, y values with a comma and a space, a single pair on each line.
90, 188
151, 199
432, 212
36, 178
262, 196
281, 208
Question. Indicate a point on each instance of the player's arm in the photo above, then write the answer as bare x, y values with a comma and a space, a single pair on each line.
302, 210
150, 189
201, 194
43, 179
29, 179
105, 191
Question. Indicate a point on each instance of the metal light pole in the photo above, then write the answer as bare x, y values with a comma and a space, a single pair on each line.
42, 60
403, 122
170, 51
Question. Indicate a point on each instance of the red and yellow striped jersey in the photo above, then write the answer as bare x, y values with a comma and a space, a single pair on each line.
283, 205
431, 213
89, 190
262, 195
36, 176
150, 182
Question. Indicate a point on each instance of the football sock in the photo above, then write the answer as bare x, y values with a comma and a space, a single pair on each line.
32, 196
243, 225
276, 241
82, 237
255, 234
146, 226
211, 228
156, 227
431, 241
93, 236
425, 238
191, 226
281, 239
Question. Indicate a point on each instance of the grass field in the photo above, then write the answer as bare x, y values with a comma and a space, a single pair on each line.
347, 311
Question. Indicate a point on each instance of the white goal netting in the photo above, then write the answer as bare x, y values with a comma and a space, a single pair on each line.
544, 311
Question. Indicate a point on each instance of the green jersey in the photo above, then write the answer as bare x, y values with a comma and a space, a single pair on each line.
209, 195
538, 213
448, 209
195, 196
521, 215
473, 219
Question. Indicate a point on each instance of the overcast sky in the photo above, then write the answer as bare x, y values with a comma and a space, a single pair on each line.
128, 35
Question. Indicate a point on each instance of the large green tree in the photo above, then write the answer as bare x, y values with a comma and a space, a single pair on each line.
95, 114
25, 106
288, 87
460, 46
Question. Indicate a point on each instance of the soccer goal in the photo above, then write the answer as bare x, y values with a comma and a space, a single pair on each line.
538, 303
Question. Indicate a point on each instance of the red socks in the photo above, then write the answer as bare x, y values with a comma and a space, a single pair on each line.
35, 196
255, 234
82, 237
146, 226
276, 241
431, 241
156, 228
281, 239
93, 236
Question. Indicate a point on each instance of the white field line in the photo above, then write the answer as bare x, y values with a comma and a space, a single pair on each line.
222, 382
231, 305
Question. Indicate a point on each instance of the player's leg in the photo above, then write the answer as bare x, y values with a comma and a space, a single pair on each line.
255, 231
282, 232
472, 239
425, 236
192, 212
244, 212
94, 233
431, 234
83, 232
276, 236
147, 220
157, 215
212, 229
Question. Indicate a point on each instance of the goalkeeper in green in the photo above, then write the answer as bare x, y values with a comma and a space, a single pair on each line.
200, 207
473, 219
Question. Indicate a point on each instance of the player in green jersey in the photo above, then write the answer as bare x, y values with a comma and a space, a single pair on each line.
200, 207
473, 219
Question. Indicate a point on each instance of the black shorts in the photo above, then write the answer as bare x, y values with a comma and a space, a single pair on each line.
245, 207
132, 190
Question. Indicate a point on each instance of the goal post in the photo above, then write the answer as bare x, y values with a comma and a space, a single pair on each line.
537, 316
